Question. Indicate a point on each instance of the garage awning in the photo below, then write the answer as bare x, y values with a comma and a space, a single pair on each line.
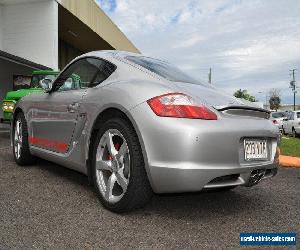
19, 60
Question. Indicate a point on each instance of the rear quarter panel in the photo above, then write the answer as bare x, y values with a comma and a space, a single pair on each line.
122, 95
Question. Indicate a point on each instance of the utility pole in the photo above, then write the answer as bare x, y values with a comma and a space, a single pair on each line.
209, 76
261, 92
293, 86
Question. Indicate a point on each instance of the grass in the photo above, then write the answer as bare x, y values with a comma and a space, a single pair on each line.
290, 146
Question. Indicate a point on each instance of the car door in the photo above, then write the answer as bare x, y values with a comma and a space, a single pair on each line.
297, 122
56, 114
284, 123
294, 121
290, 122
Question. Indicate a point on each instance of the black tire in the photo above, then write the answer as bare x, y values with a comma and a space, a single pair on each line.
294, 133
139, 191
25, 157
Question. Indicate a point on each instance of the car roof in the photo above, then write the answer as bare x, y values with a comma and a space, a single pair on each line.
117, 53
110, 53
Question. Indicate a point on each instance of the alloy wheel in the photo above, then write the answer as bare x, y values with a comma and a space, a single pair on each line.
112, 165
18, 139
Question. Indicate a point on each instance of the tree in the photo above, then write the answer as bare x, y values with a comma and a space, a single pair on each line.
274, 100
244, 95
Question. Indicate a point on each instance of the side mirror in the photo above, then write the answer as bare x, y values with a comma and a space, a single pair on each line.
46, 84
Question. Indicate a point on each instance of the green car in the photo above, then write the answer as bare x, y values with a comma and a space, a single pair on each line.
12, 97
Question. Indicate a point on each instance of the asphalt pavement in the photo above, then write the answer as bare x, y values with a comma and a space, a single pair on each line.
47, 206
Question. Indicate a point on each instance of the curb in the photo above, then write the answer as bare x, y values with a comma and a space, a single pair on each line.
289, 161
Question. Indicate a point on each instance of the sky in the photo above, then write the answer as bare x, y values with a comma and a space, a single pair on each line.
250, 44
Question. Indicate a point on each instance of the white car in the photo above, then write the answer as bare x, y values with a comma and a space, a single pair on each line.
277, 118
291, 124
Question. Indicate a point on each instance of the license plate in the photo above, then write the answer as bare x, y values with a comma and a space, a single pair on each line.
255, 149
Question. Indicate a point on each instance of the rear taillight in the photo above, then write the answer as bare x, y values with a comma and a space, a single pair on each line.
275, 121
180, 106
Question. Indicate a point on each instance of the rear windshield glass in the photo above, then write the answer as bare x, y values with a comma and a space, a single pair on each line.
278, 115
162, 69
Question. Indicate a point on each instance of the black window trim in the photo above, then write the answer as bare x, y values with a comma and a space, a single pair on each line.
81, 58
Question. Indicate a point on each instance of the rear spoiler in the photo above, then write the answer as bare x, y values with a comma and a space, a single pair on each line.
241, 107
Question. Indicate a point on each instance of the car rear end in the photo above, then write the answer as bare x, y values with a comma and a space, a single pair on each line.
278, 118
278, 122
235, 146
196, 137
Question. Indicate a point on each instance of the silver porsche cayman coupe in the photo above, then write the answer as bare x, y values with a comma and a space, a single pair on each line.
137, 126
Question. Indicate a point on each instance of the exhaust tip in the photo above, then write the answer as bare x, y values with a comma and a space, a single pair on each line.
256, 176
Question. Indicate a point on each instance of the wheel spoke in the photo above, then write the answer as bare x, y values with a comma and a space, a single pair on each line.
18, 138
122, 151
18, 128
121, 179
110, 185
103, 165
18, 149
110, 145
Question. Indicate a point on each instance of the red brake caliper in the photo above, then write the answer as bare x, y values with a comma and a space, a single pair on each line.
117, 147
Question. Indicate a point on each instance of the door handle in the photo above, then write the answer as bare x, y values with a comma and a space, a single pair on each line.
73, 107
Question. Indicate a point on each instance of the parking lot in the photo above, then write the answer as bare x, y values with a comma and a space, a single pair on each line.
48, 206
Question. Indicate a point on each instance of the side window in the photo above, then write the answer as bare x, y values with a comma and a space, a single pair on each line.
84, 73
105, 70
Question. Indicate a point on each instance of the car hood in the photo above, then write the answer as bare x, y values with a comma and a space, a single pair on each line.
18, 94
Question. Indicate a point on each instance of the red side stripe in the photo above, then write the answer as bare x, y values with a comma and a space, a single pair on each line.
57, 146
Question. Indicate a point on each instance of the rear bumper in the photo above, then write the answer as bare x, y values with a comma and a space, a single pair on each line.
278, 126
185, 155
297, 129
195, 178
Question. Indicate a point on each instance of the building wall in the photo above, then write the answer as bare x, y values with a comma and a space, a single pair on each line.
30, 31
66, 53
1, 21
95, 18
